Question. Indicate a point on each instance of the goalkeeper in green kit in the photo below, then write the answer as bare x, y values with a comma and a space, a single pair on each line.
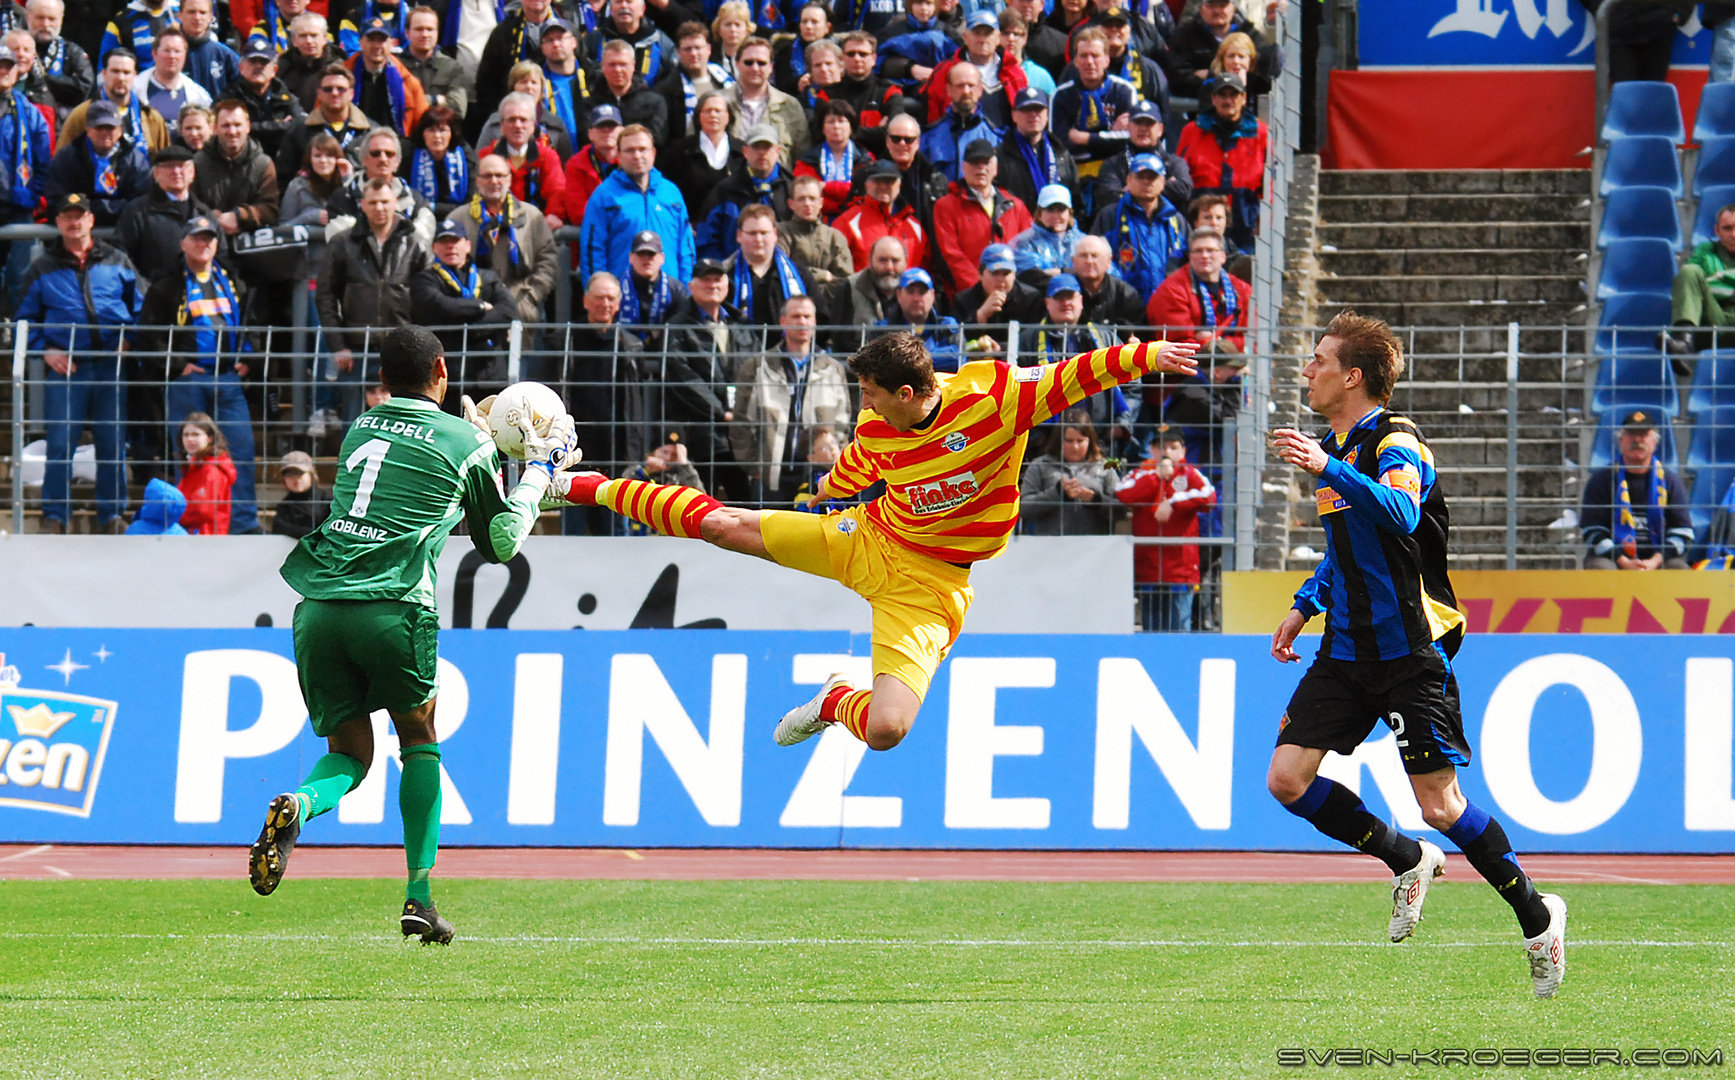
366, 630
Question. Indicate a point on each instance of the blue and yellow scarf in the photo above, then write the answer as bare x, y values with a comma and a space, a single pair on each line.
1626, 526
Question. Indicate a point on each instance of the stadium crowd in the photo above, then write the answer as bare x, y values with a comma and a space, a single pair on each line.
746, 191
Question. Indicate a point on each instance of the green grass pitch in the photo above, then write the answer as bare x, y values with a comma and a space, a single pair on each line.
823, 980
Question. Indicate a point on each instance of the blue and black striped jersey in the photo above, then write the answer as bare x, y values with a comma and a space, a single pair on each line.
1383, 584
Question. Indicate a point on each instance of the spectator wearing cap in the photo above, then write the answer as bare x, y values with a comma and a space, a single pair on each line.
1144, 136
165, 85
761, 274
915, 314
1108, 300
1045, 249
62, 65
650, 294
786, 395
364, 285
879, 212
384, 89
634, 198
333, 114
591, 164
96, 165
921, 183
1031, 158
511, 237
974, 214
24, 154
210, 63
442, 78
202, 354
143, 129
653, 52
152, 225
440, 168
79, 295
305, 505
135, 27
272, 111
516, 36
380, 156
816, 247
1128, 59
302, 62
621, 86
537, 175
837, 156
765, 182
1634, 512
1002, 76
1225, 148
359, 16
1196, 41
944, 141
234, 175
1201, 302
470, 307
1092, 110
705, 337
758, 103
688, 79
566, 83
997, 297
912, 47
1061, 335
1144, 231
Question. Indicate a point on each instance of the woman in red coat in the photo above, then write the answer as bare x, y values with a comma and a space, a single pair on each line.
1225, 149
208, 476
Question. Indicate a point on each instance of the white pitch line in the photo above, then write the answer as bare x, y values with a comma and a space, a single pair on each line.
37, 850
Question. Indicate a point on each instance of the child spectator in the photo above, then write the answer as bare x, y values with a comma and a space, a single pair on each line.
160, 513
208, 476
1166, 495
306, 506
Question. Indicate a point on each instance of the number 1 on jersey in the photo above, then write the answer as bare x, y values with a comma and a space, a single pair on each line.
374, 453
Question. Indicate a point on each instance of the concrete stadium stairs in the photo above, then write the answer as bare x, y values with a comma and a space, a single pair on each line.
1456, 256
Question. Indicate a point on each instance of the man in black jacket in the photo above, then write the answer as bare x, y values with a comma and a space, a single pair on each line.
1108, 300
998, 297
271, 108
150, 226
609, 383
705, 337
1197, 39
97, 166
62, 65
455, 293
234, 176
1030, 157
1144, 136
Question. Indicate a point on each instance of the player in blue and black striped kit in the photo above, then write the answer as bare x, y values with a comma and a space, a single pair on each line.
1392, 627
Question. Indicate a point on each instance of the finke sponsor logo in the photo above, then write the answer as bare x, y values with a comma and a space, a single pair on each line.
944, 494
51, 746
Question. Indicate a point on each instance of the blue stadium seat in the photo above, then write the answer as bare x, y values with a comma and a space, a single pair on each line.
1713, 439
1641, 161
1711, 200
1716, 119
1716, 166
1713, 382
1608, 426
1710, 484
1631, 321
1643, 108
1631, 379
1636, 266
1640, 212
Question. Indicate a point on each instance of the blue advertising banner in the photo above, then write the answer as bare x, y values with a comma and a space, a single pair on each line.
663, 738
1494, 33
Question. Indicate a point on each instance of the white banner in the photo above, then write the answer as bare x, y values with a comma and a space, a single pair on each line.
1041, 585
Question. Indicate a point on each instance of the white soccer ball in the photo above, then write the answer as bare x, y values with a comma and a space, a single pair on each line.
531, 401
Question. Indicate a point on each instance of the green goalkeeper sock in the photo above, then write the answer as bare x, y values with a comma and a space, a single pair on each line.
419, 803
333, 776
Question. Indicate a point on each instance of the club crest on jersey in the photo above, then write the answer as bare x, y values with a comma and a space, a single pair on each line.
955, 441
51, 746
846, 526
938, 496
1349, 458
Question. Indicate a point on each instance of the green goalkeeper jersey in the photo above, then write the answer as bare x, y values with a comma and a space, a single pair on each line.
407, 474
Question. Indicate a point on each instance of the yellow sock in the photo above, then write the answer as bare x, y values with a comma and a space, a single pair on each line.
849, 708
668, 508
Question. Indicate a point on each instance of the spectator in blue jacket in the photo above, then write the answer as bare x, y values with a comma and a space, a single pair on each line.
1045, 249
77, 295
210, 63
632, 199
944, 140
911, 48
915, 315
1145, 232
97, 166
24, 140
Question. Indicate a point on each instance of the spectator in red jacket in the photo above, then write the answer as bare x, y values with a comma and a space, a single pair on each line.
878, 213
1225, 150
1200, 302
974, 214
1166, 496
589, 166
208, 477
537, 177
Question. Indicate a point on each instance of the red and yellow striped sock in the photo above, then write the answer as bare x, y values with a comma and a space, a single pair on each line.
848, 707
670, 509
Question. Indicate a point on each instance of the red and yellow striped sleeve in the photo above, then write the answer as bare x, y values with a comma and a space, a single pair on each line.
1040, 393
855, 469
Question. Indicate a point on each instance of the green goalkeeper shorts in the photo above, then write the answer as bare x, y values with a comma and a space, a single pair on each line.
353, 657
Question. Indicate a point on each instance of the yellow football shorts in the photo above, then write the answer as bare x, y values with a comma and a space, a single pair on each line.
919, 602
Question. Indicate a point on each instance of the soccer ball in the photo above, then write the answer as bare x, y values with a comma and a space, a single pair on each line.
529, 400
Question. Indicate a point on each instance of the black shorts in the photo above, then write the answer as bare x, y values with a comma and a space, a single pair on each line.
1339, 702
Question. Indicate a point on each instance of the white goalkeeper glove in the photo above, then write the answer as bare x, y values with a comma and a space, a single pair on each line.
477, 413
553, 453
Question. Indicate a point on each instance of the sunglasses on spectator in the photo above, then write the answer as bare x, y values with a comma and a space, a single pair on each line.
753, 63
858, 54
382, 151
334, 88
903, 138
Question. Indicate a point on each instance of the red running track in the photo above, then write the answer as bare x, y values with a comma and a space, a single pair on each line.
40, 862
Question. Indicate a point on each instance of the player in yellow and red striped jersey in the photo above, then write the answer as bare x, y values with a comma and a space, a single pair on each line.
949, 449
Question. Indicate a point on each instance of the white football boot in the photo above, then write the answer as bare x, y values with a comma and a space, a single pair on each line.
1547, 950
803, 722
1410, 888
